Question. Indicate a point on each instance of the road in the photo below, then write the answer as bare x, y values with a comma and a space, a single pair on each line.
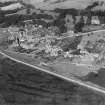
83, 34
84, 84
79, 82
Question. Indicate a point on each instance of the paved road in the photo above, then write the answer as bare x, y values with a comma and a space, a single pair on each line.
87, 85
90, 86
83, 34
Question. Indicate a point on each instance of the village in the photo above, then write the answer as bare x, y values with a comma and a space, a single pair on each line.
36, 39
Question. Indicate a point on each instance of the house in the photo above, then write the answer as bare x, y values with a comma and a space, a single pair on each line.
78, 18
95, 20
22, 35
13, 33
85, 19
13, 29
69, 22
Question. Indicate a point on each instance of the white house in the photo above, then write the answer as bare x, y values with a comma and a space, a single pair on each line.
95, 20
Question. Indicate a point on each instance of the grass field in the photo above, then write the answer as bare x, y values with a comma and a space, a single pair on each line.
78, 4
23, 85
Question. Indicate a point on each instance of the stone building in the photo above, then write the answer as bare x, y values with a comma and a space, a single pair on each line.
69, 22
95, 20
85, 19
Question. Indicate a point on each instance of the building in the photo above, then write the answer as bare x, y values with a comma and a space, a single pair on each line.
22, 35
13, 33
85, 19
69, 22
95, 20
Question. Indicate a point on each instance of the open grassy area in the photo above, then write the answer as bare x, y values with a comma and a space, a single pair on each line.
22, 85
79, 4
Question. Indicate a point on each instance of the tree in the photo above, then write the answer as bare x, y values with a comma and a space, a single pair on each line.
2, 17
89, 15
78, 27
28, 11
18, 41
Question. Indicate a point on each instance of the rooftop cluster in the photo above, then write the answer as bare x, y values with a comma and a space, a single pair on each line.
39, 41
35, 37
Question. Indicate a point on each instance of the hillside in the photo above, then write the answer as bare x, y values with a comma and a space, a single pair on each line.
26, 10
